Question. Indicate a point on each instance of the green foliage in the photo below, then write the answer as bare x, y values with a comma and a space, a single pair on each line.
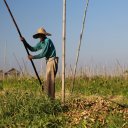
25, 109
22, 104
104, 86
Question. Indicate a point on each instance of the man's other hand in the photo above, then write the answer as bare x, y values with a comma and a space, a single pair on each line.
22, 39
30, 57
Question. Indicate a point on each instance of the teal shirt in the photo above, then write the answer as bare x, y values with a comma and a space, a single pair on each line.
47, 49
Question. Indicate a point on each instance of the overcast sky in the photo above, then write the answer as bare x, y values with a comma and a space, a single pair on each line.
105, 39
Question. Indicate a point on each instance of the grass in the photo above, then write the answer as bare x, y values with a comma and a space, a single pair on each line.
25, 108
22, 104
102, 86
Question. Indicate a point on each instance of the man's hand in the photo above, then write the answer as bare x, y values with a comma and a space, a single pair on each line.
30, 57
22, 39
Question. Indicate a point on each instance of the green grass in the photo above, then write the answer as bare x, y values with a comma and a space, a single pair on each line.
22, 104
25, 108
110, 86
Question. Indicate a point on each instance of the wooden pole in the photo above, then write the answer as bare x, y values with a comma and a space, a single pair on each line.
33, 65
79, 45
63, 50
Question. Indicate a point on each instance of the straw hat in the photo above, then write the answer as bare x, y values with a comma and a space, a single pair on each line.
41, 31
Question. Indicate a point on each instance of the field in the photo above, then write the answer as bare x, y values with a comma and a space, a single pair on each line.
96, 102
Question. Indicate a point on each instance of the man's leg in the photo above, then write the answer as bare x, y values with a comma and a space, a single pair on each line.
50, 80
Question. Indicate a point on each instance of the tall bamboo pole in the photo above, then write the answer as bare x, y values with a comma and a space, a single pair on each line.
63, 50
18, 30
79, 45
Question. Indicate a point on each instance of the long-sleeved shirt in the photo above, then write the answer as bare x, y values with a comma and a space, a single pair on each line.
47, 49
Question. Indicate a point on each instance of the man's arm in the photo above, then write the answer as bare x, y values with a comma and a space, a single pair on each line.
33, 49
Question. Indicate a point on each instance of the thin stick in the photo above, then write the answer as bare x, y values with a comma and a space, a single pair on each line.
25, 67
23, 42
79, 45
18, 64
63, 51
71, 69
5, 56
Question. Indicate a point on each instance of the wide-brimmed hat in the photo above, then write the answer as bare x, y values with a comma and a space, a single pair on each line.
41, 31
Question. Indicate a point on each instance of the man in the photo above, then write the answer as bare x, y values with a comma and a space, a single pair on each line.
49, 52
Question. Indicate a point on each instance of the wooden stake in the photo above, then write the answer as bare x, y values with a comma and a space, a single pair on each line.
79, 45
18, 30
63, 51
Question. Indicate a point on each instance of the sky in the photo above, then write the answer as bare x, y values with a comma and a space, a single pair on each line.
105, 38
